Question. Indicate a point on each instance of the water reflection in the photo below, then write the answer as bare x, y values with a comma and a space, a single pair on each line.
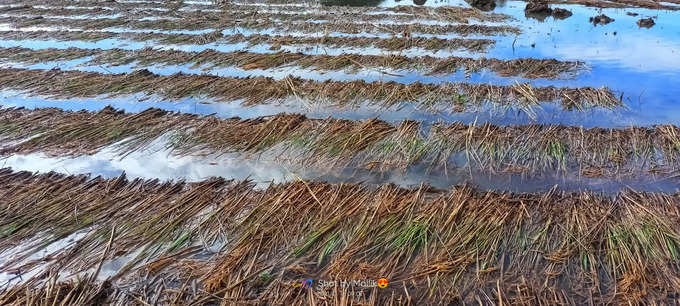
263, 170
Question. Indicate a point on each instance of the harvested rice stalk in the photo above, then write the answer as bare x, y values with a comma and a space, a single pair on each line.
275, 41
445, 13
337, 143
529, 67
55, 11
232, 14
434, 246
257, 90
340, 26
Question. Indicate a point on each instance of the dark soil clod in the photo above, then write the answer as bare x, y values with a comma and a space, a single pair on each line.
560, 13
601, 20
537, 10
646, 23
484, 5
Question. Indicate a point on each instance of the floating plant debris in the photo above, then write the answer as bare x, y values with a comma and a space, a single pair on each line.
601, 20
646, 23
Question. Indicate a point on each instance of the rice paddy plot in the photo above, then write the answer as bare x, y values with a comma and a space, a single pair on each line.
450, 13
256, 147
157, 162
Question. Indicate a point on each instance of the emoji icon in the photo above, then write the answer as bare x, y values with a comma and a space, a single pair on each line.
307, 284
382, 283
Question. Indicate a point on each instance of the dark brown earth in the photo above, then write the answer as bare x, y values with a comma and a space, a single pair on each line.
601, 20
537, 10
560, 13
646, 23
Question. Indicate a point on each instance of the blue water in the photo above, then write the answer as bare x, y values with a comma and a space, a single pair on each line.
642, 64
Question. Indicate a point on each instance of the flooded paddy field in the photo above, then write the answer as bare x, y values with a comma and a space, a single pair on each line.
295, 152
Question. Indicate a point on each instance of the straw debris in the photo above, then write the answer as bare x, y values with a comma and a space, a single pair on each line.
258, 90
333, 143
457, 246
283, 26
234, 14
399, 13
274, 41
525, 67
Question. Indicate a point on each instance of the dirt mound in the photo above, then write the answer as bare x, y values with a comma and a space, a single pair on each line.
601, 20
646, 23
